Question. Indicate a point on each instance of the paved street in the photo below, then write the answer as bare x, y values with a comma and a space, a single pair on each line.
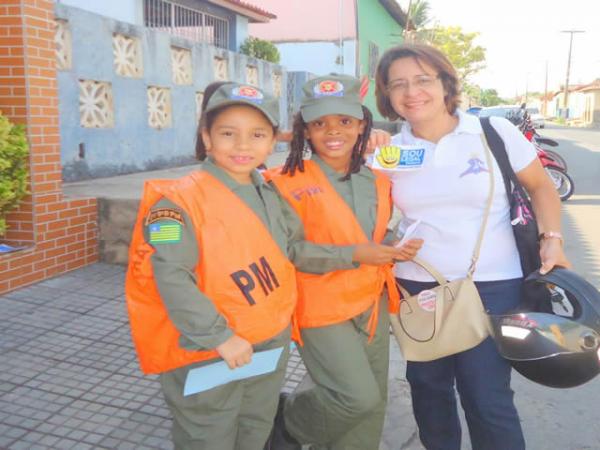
69, 378
567, 419
581, 149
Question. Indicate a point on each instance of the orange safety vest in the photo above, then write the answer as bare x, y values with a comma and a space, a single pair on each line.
242, 270
343, 294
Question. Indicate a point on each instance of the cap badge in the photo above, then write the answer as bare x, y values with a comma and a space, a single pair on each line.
329, 88
247, 93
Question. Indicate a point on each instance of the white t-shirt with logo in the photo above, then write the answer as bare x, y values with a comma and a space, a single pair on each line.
449, 193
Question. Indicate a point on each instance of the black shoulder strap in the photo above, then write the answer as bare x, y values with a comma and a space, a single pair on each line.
499, 151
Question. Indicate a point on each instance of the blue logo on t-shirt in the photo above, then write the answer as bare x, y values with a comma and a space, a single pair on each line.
475, 166
411, 157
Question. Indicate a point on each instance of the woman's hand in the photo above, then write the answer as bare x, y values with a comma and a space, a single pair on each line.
235, 351
552, 254
378, 254
378, 138
409, 249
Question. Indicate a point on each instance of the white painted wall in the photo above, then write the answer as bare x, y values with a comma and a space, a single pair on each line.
318, 57
241, 30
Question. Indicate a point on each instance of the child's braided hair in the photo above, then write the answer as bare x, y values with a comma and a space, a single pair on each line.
295, 160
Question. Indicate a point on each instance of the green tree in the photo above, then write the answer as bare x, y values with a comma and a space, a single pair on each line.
472, 91
261, 49
482, 97
13, 167
460, 48
419, 14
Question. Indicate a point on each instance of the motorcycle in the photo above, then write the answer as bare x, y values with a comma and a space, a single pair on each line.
533, 136
554, 164
562, 180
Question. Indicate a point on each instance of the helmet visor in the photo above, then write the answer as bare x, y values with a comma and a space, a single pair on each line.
533, 336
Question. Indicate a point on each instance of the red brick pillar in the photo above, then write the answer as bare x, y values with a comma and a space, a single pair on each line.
59, 234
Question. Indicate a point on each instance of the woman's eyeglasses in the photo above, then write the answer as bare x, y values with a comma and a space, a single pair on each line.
422, 82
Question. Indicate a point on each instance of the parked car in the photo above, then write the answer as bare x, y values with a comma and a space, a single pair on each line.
537, 120
514, 113
474, 110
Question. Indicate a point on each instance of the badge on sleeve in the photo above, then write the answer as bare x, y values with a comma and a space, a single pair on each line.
165, 232
164, 213
164, 225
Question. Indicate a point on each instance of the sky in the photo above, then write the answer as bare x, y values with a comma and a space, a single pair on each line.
521, 36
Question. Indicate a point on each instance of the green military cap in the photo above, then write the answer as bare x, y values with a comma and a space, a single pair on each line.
244, 94
331, 94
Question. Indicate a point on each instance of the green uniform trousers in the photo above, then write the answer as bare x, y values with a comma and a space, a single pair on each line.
235, 416
346, 407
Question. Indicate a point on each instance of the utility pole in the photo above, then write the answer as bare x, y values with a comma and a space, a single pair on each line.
566, 92
545, 102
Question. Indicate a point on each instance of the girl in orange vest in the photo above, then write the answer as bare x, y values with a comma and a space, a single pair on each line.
209, 279
342, 315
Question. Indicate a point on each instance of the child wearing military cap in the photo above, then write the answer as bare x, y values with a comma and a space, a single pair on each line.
209, 277
343, 314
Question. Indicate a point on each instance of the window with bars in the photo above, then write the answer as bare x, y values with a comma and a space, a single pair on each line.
186, 22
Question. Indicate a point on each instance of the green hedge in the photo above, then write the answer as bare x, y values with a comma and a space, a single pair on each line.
260, 49
13, 167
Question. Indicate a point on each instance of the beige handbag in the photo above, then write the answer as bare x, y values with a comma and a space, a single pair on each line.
449, 318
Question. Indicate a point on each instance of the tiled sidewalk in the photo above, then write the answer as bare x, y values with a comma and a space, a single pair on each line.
69, 378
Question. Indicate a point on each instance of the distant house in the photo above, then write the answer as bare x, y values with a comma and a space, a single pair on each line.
591, 103
222, 23
324, 36
584, 104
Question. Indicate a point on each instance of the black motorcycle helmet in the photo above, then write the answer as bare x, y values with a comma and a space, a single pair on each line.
559, 349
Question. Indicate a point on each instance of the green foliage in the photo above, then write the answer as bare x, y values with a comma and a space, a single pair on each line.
490, 97
483, 97
260, 49
419, 13
13, 167
473, 91
460, 48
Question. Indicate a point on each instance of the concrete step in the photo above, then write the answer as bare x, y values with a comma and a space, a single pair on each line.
116, 218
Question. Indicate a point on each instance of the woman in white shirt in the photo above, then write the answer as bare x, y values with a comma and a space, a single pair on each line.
448, 193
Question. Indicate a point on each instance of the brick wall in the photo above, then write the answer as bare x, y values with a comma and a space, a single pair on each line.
59, 234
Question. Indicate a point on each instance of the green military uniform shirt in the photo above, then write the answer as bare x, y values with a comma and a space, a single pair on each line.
174, 260
359, 193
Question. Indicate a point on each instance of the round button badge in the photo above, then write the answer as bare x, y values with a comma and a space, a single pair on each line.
426, 300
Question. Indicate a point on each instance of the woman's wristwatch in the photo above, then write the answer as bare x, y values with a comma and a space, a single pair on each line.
551, 235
